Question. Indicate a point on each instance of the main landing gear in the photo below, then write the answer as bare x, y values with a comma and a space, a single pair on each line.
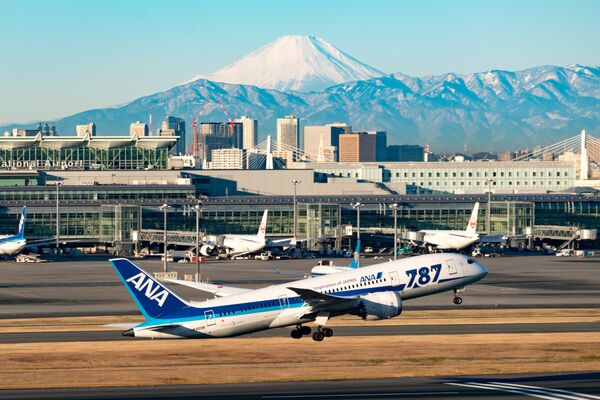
322, 333
317, 335
300, 331
457, 299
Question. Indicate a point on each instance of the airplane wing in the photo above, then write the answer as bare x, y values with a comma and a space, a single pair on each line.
217, 290
322, 300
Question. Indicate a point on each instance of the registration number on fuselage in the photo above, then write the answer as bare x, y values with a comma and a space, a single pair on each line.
422, 276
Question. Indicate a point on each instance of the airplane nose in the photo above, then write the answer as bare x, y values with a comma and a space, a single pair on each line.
483, 271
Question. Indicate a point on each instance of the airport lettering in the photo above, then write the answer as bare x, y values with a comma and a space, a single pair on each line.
40, 164
151, 291
372, 277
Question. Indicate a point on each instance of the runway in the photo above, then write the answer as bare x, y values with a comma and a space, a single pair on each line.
462, 329
574, 386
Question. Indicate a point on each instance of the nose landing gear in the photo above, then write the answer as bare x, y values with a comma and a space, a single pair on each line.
457, 299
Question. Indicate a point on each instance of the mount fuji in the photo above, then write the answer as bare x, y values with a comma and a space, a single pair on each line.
492, 110
294, 63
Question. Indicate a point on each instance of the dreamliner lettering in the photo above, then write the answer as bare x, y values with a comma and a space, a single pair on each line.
152, 292
422, 276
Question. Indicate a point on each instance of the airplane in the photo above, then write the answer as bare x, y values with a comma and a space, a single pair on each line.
12, 244
453, 239
324, 269
371, 293
240, 245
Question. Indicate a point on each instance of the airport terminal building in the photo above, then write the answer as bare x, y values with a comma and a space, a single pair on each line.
107, 188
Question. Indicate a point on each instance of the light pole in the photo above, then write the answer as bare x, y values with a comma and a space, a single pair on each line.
488, 224
395, 208
58, 184
357, 207
295, 182
164, 208
198, 209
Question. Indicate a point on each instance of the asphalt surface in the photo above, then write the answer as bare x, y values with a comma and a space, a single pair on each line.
366, 330
579, 386
88, 285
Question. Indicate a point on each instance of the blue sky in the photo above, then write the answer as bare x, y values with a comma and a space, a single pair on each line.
65, 56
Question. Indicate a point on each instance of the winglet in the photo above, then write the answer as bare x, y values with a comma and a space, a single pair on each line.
472, 226
355, 263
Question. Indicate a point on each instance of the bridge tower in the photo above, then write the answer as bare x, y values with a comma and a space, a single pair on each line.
584, 162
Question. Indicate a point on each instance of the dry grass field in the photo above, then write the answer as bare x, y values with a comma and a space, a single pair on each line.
166, 362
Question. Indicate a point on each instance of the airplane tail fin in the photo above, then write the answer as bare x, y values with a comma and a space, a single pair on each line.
472, 226
355, 256
21, 233
152, 298
262, 230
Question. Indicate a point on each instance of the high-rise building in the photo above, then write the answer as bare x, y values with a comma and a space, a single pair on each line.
218, 135
249, 132
227, 159
288, 131
321, 143
174, 126
345, 127
86, 129
138, 128
380, 145
358, 147
405, 152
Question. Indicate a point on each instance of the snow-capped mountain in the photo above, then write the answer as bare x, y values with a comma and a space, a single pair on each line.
299, 63
494, 110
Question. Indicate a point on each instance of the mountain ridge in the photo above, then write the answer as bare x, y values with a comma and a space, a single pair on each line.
489, 110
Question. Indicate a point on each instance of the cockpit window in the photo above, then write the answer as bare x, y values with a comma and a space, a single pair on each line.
470, 261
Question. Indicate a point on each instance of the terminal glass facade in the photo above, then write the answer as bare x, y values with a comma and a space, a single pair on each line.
84, 158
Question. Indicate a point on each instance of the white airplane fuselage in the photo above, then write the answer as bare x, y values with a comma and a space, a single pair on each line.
449, 240
374, 292
10, 247
243, 244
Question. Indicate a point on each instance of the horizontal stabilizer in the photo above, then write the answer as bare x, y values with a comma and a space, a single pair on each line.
217, 290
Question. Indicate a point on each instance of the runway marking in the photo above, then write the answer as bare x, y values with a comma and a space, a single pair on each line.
530, 391
316, 396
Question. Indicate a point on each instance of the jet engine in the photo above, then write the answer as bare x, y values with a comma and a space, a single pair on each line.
383, 305
206, 250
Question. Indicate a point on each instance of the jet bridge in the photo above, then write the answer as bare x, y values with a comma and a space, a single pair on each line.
567, 234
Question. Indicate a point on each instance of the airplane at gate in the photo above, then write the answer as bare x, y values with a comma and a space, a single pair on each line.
371, 293
12, 244
452, 239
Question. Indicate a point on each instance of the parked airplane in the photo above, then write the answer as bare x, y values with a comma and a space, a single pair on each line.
240, 245
371, 293
452, 239
12, 244
325, 269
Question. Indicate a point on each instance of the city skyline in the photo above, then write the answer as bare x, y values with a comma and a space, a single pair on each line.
77, 56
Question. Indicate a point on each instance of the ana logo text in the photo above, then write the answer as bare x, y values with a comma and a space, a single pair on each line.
372, 277
152, 289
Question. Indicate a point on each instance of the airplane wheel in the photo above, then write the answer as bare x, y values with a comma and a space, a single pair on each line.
296, 334
327, 332
317, 336
305, 330
458, 300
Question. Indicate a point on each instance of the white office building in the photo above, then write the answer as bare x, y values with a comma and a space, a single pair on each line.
249, 132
